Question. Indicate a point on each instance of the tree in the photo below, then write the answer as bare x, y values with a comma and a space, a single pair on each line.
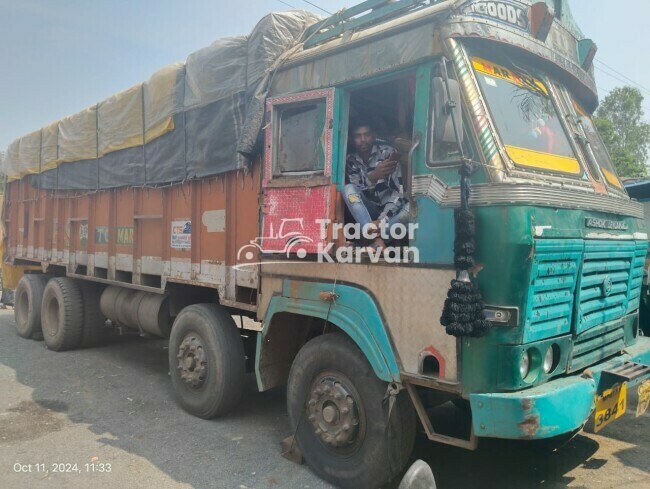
619, 120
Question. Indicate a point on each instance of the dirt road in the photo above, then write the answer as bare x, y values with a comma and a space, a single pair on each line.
77, 412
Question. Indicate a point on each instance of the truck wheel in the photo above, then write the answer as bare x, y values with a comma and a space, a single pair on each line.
94, 331
206, 360
340, 417
27, 306
62, 314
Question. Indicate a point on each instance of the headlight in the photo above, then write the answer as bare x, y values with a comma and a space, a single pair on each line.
524, 364
549, 360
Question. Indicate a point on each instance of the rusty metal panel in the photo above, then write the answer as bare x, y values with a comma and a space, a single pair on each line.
411, 300
101, 233
149, 220
246, 204
211, 228
324, 66
188, 233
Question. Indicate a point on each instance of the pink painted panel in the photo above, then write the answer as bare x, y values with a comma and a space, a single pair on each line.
291, 218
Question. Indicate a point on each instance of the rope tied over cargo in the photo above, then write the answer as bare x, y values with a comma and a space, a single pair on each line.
463, 314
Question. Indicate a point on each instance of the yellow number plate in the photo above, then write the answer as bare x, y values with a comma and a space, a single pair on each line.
610, 406
644, 398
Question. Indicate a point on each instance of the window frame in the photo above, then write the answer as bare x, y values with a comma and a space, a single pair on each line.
275, 106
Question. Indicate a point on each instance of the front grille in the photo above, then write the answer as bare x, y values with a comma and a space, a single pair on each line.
595, 345
551, 292
636, 277
604, 282
584, 287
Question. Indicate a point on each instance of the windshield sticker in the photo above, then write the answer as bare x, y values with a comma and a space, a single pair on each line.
543, 161
611, 178
491, 81
520, 79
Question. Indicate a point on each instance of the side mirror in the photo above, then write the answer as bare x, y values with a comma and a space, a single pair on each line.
444, 106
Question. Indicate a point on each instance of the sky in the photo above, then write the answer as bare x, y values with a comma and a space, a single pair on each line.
60, 56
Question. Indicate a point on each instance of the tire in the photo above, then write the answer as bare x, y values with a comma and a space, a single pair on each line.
27, 306
94, 331
367, 454
206, 361
62, 314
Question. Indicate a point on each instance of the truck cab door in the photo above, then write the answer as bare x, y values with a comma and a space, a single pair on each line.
297, 183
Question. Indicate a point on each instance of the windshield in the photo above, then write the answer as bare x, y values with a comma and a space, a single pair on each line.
597, 145
526, 118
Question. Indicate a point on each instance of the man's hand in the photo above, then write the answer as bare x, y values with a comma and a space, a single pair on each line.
384, 169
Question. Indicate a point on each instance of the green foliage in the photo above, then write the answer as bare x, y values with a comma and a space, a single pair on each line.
619, 120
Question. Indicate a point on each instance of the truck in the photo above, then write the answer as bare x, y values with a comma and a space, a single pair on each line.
639, 190
214, 190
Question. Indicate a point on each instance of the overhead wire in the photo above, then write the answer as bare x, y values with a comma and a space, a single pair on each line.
601, 89
288, 4
621, 75
624, 82
318, 7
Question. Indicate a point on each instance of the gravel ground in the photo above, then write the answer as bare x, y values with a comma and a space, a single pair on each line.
114, 405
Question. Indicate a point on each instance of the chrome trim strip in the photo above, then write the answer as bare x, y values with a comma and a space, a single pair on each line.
522, 193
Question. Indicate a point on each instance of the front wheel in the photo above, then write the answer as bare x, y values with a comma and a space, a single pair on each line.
340, 416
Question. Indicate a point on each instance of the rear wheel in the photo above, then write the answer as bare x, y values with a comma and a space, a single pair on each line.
62, 314
27, 306
340, 416
206, 360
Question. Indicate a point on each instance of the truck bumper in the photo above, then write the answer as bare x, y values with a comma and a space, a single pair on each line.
556, 407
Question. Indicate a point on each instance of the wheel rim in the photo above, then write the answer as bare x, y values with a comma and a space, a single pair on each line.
192, 361
52, 313
22, 309
336, 413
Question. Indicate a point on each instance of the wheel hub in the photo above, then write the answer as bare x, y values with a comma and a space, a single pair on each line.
333, 412
192, 361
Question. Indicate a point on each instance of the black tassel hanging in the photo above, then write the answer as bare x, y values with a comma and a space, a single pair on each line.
463, 311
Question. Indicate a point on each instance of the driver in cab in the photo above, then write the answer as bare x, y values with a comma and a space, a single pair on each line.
374, 193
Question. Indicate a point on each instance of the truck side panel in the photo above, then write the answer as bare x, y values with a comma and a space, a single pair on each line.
188, 233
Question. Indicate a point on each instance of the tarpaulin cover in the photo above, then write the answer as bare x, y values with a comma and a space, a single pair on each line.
49, 146
29, 153
120, 121
189, 120
216, 72
272, 37
12, 160
77, 138
163, 97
